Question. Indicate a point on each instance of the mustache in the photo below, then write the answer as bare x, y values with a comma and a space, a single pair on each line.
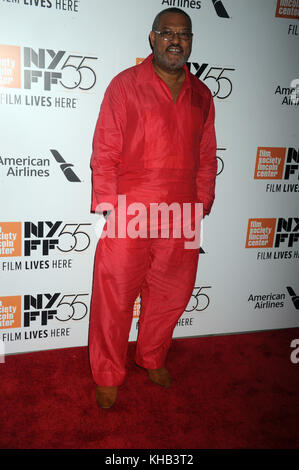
176, 46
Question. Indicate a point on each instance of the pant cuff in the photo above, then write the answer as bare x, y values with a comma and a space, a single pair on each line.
108, 379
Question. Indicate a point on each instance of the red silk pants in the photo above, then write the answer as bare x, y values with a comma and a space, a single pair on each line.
164, 272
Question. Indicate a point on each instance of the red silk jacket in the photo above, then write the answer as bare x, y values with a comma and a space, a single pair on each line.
152, 149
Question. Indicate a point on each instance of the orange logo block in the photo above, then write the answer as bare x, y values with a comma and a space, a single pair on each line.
10, 239
260, 233
10, 312
139, 60
136, 308
287, 9
269, 162
10, 66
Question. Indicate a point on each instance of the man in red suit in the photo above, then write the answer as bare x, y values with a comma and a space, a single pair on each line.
154, 143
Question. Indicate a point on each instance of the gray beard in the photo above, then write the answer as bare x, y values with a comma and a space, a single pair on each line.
168, 65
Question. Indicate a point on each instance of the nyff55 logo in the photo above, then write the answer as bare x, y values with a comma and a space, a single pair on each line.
45, 236
45, 68
40, 308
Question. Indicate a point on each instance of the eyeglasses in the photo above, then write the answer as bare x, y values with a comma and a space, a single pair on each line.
169, 35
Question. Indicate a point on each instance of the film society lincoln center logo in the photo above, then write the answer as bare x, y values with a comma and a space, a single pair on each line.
287, 9
280, 164
10, 312
10, 239
280, 234
10, 66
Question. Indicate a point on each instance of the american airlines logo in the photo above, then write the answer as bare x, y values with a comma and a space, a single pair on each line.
65, 167
196, 4
220, 9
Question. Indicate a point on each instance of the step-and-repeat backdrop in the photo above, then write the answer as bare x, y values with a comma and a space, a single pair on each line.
56, 60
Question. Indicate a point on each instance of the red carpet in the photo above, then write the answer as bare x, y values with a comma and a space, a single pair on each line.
234, 391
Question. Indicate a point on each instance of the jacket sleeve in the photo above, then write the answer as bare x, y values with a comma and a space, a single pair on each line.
207, 169
107, 148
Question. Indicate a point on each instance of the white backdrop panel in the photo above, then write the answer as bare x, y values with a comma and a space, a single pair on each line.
56, 63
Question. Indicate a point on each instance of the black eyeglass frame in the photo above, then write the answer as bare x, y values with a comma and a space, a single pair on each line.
169, 35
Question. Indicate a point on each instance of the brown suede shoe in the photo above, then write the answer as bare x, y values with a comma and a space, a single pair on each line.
106, 396
160, 376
